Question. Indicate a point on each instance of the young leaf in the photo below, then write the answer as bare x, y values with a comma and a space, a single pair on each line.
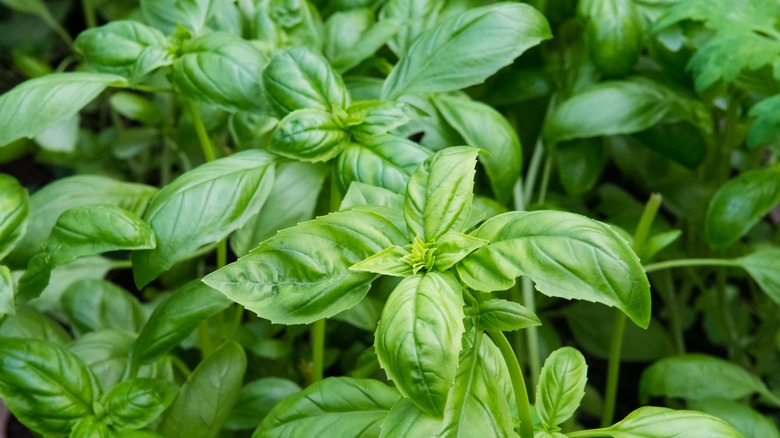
484, 127
376, 118
743, 418
222, 70
343, 406
361, 194
452, 247
14, 209
614, 30
561, 386
565, 254
175, 318
30, 323
765, 129
390, 261
302, 274
652, 422
503, 315
91, 427
45, 386
293, 199
309, 135
466, 49
439, 193
726, 55
135, 107
385, 161
300, 79
82, 231
208, 395
216, 198
256, 400
418, 338
740, 203
93, 305
288, 24
762, 266
414, 18
37, 104
137, 402
690, 376
167, 15
7, 306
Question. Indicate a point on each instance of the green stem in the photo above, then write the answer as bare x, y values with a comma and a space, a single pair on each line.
89, 14
518, 383
120, 264
222, 254
181, 366
665, 286
646, 221
532, 333
533, 169
679, 263
548, 162
200, 130
317, 349
236, 323
204, 339
613, 369
587, 433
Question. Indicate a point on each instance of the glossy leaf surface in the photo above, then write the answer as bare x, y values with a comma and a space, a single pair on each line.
561, 386
14, 209
137, 402
386, 161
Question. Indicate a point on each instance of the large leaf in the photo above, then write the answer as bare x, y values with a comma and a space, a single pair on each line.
360, 194
208, 395
46, 387
167, 15
565, 254
256, 400
343, 406
93, 305
28, 322
14, 209
614, 30
762, 266
47, 204
37, 104
83, 231
750, 422
561, 386
309, 135
466, 49
740, 203
652, 422
302, 274
350, 45
137, 402
418, 338
439, 193
483, 127
386, 161
203, 206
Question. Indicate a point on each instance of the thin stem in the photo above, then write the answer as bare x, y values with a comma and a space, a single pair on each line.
89, 13
531, 333
222, 254
587, 433
679, 263
548, 162
204, 339
518, 383
646, 221
665, 286
200, 130
613, 369
533, 169
236, 323
120, 264
181, 366
317, 349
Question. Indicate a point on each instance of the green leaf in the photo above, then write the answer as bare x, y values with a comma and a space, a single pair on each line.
370, 41
614, 30
176, 318
343, 406
222, 70
29, 322
90, 267
387, 161
580, 163
365, 316
565, 254
414, 18
293, 199
216, 198
37, 104
484, 127
352, 36
167, 15
698, 377
7, 306
765, 129
505, 316
207, 397
722, 14
418, 338
762, 266
376, 118
46, 387
124, 47
93, 305
47, 204
453, 247
466, 49
91, 427
135, 107
288, 24
361, 194
300, 79
439, 193
14, 209
652, 422
740, 203
83, 231
256, 400
561, 386
725, 56
302, 274
309, 135
137, 402
658, 243
743, 418
390, 261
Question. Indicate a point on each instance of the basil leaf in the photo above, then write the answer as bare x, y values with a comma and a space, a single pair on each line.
124, 47
167, 15
92, 305
453, 247
484, 127
309, 135
418, 338
503, 315
174, 319
764, 129
288, 23
256, 400
361, 194
90, 267
561, 386
45, 386
690, 376
614, 30
37, 104
208, 395
137, 402
565, 254
82, 231
91, 427
300, 79
652, 422
386, 161
135, 107
293, 199
14, 209
743, 418
762, 266
439, 193
390, 261
466, 49
739, 204
414, 17
302, 274
216, 198
7, 306
29, 322
580, 163
376, 118
368, 42
221, 70
47, 204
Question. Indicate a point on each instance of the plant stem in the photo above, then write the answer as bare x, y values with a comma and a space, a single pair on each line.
317, 349
200, 130
89, 13
646, 221
518, 383
180, 365
533, 169
532, 333
548, 162
679, 263
204, 339
587, 433
120, 264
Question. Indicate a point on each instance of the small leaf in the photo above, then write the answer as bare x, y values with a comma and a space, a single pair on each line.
505, 316
361, 194
652, 422
561, 386
765, 129
614, 30
657, 243
386, 161
309, 135
137, 402
343, 406
418, 338
762, 266
580, 163
93, 305
256, 400
390, 261
14, 209
91, 427
453, 247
